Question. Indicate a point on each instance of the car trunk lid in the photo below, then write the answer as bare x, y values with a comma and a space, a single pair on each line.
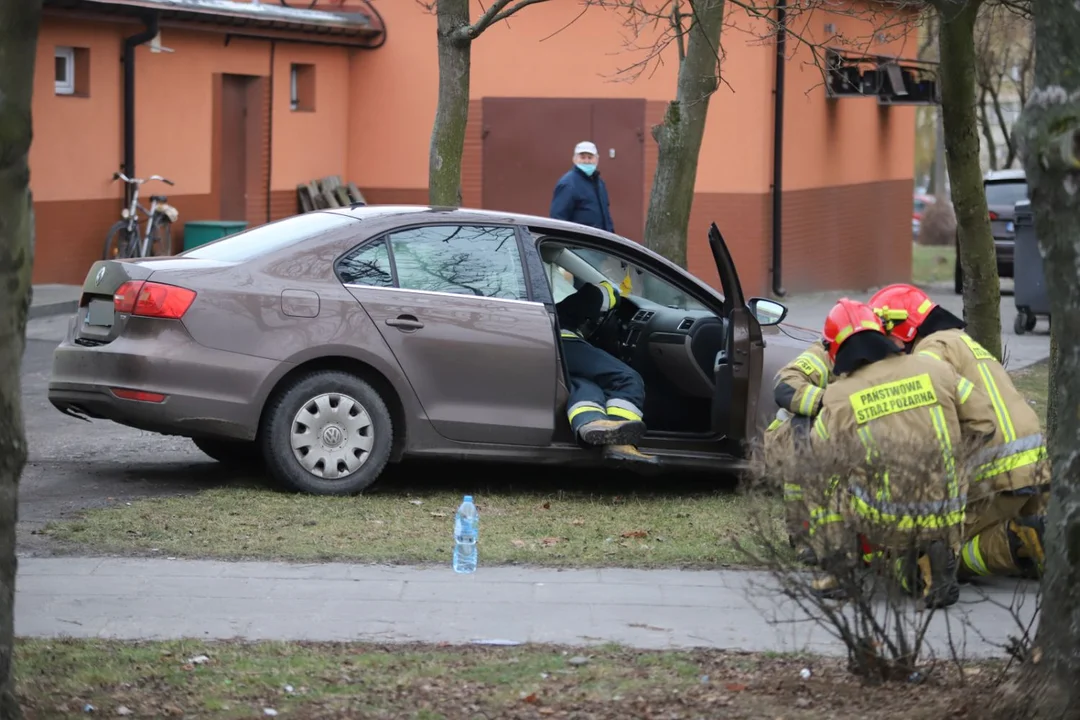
97, 323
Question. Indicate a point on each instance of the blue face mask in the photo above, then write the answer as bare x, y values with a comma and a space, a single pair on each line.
588, 169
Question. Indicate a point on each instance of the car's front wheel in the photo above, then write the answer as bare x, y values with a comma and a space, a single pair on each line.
327, 433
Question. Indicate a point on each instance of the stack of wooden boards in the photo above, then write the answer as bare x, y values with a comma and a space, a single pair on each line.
328, 192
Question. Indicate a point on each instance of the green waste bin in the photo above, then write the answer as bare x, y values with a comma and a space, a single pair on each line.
200, 232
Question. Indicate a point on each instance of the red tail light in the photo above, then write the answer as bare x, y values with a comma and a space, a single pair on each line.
993, 215
139, 395
150, 299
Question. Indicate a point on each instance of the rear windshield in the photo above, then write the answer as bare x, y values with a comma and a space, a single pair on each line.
265, 239
1006, 193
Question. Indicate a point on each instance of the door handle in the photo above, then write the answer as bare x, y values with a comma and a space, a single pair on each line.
405, 322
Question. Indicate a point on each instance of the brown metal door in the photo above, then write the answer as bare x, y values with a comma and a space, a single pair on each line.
234, 146
618, 129
529, 144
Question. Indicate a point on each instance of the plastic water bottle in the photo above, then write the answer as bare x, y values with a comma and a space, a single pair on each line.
466, 533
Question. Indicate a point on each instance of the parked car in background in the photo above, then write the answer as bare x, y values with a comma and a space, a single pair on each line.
921, 201
325, 345
1003, 188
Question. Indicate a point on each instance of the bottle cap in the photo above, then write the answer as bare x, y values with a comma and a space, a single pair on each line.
468, 498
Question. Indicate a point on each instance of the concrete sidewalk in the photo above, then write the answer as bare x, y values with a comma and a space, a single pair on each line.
49, 300
159, 599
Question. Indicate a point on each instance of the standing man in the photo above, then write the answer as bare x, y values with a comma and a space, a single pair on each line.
580, 195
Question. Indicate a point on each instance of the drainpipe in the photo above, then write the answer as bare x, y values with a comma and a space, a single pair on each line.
778, 149
150, 23
270, 132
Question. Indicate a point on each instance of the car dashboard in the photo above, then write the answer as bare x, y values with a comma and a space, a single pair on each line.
682, 345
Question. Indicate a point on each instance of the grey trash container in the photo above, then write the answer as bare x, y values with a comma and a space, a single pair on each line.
1030, 294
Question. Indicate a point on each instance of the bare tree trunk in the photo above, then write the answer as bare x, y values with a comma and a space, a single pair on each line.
680, 135
1049, 135
982, 287
987, 131
1006, 129
452, 111
938, 181
19, 22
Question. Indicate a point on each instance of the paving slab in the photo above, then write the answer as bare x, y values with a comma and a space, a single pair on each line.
135, 599
54, 299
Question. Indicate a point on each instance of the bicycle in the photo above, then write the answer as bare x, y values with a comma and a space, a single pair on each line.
123, 239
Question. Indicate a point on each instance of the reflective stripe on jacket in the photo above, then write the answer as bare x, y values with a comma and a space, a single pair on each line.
801, 383
1017, 457
886, 411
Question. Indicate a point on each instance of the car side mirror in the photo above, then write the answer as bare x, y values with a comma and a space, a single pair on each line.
768, 312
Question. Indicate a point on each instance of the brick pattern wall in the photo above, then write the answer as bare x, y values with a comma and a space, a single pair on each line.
743, 219
283, 203
847, 237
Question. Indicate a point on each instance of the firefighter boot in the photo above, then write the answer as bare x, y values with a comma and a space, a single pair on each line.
612, 432
628, 454
1026, 545
931, 576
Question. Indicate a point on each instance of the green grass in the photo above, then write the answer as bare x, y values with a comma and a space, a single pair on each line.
60, 677
553, 529
931, 264
1034, 382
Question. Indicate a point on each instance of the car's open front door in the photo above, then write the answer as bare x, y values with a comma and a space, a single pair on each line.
738, 366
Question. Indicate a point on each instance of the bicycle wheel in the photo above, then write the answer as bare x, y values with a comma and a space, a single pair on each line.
119, 243
160, 243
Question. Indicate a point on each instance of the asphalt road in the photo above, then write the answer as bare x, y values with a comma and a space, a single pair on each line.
75, 464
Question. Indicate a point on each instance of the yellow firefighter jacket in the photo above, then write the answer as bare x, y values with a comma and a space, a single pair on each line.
1016, 457
907, 416
801, 383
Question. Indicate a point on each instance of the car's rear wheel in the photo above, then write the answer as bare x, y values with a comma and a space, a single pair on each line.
328, 433
234, 453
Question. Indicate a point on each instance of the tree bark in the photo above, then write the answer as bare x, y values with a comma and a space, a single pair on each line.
19, 23
680, 134
982, 287
1049, 135
938, 180
987, 131
452, 110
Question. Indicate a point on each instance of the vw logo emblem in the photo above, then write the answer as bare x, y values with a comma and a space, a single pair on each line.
99, 276
333, 436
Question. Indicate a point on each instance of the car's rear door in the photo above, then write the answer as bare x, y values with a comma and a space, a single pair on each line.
454, 306
738, 368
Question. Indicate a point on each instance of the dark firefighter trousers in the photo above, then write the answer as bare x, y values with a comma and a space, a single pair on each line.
602, 387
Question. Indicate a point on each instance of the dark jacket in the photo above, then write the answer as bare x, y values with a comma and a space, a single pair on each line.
582, 199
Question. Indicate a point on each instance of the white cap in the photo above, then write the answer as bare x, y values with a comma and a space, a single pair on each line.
585, 147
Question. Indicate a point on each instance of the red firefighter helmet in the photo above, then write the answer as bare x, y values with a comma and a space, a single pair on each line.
902, 309
846, 319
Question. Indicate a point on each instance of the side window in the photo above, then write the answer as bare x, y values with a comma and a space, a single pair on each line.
460, 259
367, 265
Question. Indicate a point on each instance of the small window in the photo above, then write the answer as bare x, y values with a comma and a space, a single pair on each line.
65, 71
367, 265
72, 71
302, 87
465, 260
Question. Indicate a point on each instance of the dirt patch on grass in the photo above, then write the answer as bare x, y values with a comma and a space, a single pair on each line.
558, 529
242, 680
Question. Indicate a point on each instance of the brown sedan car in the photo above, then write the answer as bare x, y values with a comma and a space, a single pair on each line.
331, 343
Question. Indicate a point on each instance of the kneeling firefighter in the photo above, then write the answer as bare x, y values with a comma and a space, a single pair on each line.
884, 404
606, 394
798, 390
1005, 519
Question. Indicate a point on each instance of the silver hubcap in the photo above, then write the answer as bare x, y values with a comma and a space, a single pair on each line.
332, 435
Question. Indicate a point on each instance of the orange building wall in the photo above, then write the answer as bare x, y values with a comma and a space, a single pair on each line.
78, 142
847, 164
